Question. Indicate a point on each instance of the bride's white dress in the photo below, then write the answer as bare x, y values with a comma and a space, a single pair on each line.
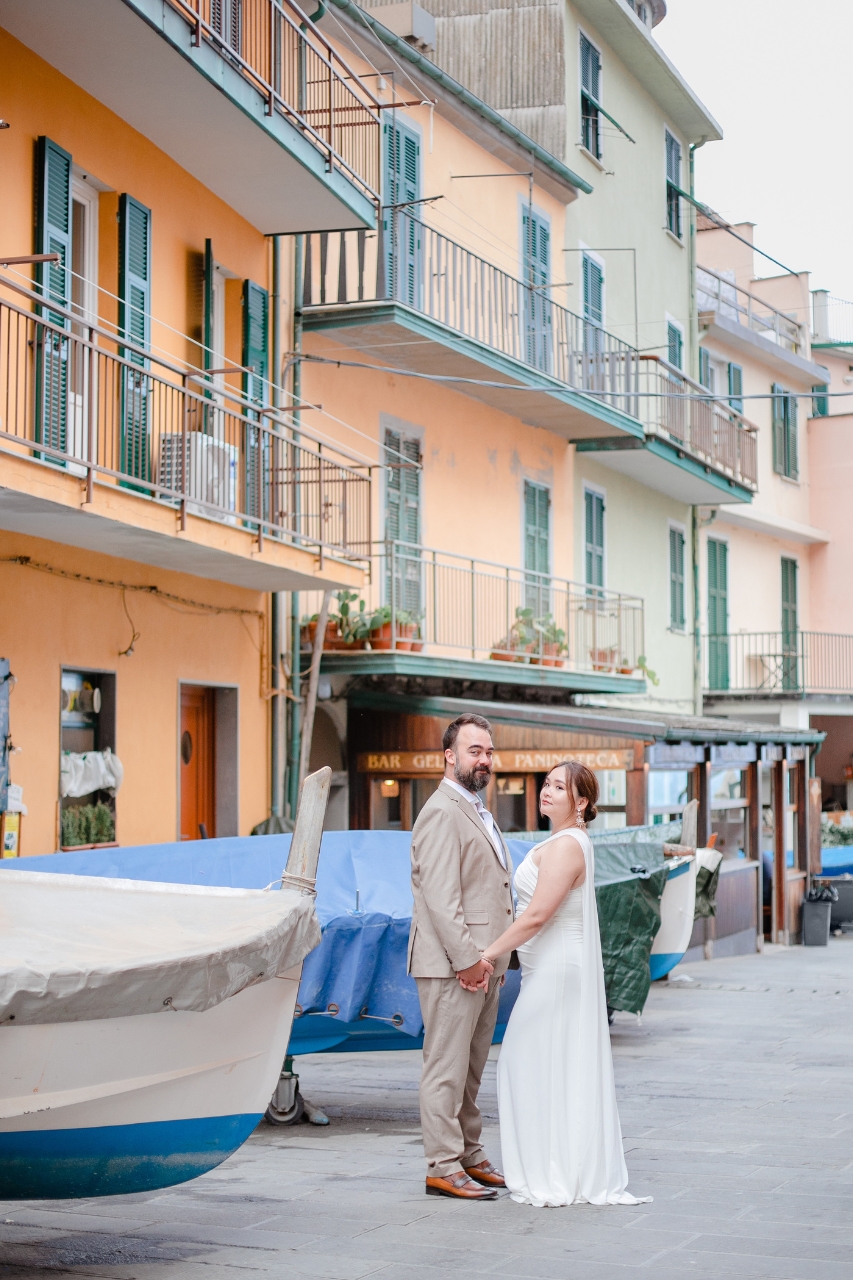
560, 1135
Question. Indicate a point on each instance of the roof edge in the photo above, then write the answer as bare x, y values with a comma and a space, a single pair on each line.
475, 104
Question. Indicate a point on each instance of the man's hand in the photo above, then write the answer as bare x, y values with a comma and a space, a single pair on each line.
476, 976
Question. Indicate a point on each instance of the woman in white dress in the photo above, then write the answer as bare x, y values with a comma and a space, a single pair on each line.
560, 1135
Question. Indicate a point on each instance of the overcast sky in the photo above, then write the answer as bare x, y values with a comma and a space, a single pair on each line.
776, 74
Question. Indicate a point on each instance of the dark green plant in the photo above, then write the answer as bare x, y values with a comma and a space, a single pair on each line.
353, 624
550, 632
87, 824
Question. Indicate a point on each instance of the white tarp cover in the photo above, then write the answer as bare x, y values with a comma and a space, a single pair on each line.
82, 773
75, 948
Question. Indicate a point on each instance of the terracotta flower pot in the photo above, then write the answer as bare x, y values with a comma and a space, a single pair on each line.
309, 632
380, 637
549, 657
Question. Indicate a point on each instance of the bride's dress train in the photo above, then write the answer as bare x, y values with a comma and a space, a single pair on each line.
560, 1135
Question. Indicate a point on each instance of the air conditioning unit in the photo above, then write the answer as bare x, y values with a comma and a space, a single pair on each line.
212, 472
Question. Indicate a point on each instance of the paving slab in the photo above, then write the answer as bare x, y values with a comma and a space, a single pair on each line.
737, 1112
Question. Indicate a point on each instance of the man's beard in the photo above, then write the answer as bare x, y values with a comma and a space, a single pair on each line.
476, 779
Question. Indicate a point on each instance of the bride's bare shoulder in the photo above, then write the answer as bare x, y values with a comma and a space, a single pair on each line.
561, 846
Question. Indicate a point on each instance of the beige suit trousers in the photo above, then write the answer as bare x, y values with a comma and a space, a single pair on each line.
458, 1030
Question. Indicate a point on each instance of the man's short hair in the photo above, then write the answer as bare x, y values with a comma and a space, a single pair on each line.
451, 733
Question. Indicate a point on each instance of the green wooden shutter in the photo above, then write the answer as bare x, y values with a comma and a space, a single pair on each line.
778, 418
718, 614
590, 95
673, 183
256, 307
705, 367
536, 236
674, 345
53, 280
401, 226
537, 547
736, 387
134, 291
820, 400
790, 628
207, 324
403, 521
676, 579
593, 291
594, 538
792, 455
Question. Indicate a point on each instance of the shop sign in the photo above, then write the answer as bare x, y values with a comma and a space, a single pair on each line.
507, 760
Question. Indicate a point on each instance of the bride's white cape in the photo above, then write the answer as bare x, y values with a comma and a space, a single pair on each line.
560, 1133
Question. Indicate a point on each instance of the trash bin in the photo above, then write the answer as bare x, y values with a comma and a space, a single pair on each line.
817, 908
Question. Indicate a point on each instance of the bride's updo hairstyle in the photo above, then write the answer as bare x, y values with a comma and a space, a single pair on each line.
584, 783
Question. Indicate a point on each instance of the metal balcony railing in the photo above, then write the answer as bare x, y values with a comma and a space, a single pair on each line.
778, 663
416, 265
274, 46
682, 411
77, 395
718, 292
447, 605
832, 319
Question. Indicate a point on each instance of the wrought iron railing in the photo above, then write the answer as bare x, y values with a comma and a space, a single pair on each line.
779, 662
300, 74
676, 408
444, 604
76, 394
410, 262
718, 292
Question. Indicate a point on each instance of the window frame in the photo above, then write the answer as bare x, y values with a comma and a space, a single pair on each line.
785, 432
594, 110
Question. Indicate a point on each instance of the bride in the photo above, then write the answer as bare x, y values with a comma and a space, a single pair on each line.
560, 1135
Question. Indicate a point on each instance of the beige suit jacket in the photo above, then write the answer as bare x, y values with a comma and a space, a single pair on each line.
462, 894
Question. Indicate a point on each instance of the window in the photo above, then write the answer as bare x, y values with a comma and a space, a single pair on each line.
673, 184
536, 234
718, 614
401, 187
676, 578
593, 311
705, 368
403, 520
537, 547
789, 624
674, 344
785, 452
820, 401
134, 322
736, 387
594, 538
590, 97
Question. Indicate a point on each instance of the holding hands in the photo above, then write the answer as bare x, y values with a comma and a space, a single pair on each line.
476, 976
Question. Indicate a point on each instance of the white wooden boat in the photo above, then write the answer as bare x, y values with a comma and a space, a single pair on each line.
143, 1026
678, 908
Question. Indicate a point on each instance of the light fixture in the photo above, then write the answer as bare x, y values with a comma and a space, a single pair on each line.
390, 788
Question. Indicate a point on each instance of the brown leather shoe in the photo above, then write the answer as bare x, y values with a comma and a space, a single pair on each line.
486, 1174
460, 1187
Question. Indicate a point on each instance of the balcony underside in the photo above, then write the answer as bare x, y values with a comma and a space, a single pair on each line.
135, 57
43, 501
664, 467
394, 334
786, 364
521, 675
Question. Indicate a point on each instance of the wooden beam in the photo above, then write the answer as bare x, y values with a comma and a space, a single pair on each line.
801, 795
815, 801
752, 818
637, 796
531, 802
702, 793
779, 792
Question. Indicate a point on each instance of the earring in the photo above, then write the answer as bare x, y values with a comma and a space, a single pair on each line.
579, 822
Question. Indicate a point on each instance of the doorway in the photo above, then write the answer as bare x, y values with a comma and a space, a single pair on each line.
198, 762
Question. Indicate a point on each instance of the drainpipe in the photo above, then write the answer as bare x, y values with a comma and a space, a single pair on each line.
295, 675
277, 597
694, 369
697, 613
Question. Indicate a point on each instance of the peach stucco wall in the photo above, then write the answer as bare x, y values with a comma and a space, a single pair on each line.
48, 622
831, 450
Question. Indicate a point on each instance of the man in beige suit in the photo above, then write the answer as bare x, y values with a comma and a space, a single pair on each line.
461, 878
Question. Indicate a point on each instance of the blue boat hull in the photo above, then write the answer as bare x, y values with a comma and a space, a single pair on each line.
61, 1164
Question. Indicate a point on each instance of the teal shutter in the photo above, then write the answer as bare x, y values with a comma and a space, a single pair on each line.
673, 183
736, 387
401, 226
820, 400
778, 419
718, 614
705, 367
536, 234
593, 312
790, 628
134, 291
53, 280
403, 521
676, 579
594, 538
674, 345
792, 456
537, 547
207, 323
590, 96
256, 452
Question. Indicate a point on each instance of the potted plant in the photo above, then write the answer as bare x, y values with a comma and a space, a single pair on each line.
405, 629
520, 641
552, 642
379, 628
308, 632
353, 624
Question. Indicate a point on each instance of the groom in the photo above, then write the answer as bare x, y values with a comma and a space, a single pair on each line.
461, 877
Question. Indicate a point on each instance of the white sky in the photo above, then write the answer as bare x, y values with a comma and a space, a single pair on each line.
776, 75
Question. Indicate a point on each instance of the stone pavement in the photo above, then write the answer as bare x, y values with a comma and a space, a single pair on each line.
736, 1096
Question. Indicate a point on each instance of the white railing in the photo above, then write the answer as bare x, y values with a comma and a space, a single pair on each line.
717, 291
832, 318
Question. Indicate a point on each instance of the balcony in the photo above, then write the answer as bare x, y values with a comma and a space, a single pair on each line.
248, 96
463, 318
115, 448
832, 320
736, 317
435, 613
778, 665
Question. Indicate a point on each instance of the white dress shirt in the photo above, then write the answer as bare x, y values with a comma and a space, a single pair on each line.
485, 817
